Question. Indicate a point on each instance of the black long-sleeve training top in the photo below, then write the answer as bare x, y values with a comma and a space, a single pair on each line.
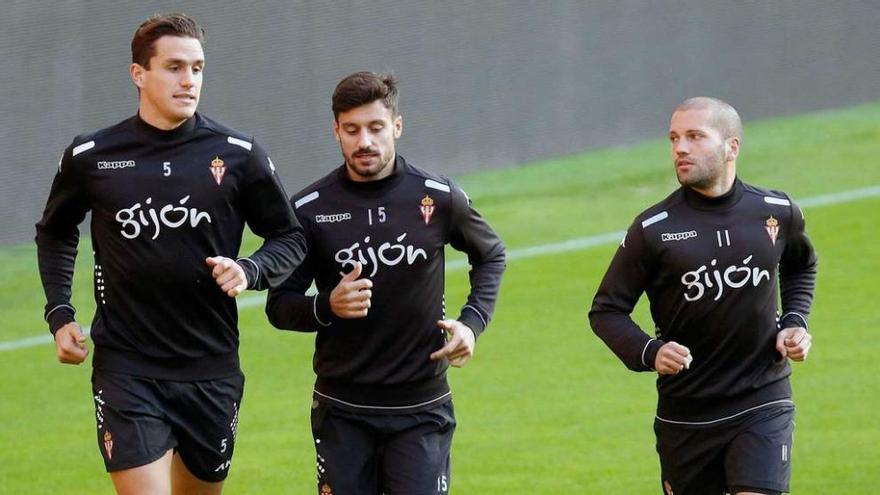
397, 228
162, 202
710, 268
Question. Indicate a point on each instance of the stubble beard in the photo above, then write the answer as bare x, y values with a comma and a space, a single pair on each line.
367, 172
705, 173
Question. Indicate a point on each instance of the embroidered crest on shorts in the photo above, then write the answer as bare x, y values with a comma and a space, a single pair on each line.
108, 444
326, 490
218, 169
772, 228
427, 208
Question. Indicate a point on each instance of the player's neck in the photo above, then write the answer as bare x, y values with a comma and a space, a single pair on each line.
720, 187
155, 119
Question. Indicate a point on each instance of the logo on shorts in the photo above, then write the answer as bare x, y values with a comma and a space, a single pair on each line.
108, 444
218, 170
427, 208
772, 228
326, 490
668, 488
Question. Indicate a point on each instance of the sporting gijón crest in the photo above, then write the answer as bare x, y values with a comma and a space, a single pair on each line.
427, 208
218, 169
772, 228
108, 445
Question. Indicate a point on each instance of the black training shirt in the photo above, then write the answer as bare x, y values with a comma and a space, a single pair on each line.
712, 269
162, 202
397, 228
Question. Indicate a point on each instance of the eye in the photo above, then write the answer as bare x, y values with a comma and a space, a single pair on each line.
197, 70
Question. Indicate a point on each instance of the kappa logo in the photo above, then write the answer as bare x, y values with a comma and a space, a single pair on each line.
333, 217
772, 228
678, 236
218, 169
114, 165
427, 208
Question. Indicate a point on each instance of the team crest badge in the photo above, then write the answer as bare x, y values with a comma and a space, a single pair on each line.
326, 490
772, 228
427, 208
218, 169
667, 488
108, 445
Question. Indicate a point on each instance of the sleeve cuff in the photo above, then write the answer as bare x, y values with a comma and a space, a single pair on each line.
649, 353
59, 316
473, 319
251, 272
321, 309
793, 319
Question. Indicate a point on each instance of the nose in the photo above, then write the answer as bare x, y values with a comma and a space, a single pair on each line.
187, 78
681, 147
364, 141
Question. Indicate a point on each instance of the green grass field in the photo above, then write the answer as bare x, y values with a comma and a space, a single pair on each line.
544, 408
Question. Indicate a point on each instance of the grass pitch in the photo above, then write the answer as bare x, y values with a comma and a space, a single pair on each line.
544, 407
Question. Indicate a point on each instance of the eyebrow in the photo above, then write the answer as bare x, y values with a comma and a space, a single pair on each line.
183, 61
368, 124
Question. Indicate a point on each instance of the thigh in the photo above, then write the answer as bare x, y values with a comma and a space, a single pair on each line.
691, 459
346, 449
150, 479
416, 453
205, 422
759, 457
133, 428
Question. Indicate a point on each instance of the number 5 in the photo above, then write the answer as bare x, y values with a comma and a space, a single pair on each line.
166, 168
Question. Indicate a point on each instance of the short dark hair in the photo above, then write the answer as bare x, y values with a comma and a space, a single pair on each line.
143, 44
724, 116
363, 88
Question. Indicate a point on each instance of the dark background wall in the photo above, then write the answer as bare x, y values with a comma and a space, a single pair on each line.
484, 83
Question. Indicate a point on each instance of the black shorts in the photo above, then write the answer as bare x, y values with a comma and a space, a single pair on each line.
372, 454
140, 419
751, 452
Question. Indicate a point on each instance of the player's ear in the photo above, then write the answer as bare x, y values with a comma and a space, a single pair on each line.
398, 126
137, 75
336, 129
732, 148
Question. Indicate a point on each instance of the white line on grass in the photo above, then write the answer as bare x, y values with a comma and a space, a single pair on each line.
515, 254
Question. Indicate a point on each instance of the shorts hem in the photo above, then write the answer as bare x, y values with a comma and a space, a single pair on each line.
136, 464
757, 488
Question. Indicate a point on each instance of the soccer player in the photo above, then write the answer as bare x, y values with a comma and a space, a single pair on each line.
170, 191
710, 257
382, 415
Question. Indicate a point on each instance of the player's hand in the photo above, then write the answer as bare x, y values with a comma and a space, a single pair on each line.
70, 344
351, 297
672, 359
794, 343
230, 277
460, 343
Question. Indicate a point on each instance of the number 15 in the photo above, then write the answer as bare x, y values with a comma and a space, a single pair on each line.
380, 214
